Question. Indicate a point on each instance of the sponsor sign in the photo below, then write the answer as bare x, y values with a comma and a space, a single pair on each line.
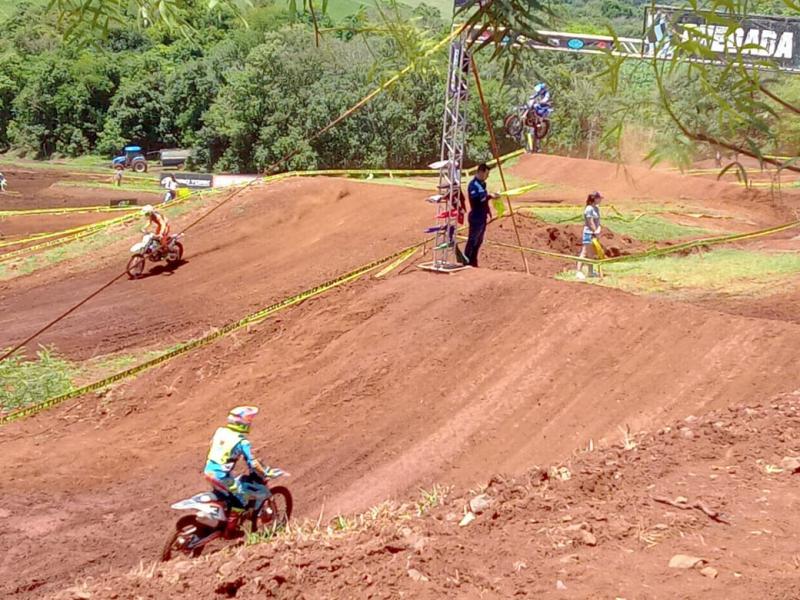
753, 37
122, 203
195, 181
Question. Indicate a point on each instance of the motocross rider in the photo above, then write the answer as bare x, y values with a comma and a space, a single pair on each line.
160, 222
540, 96
230, 443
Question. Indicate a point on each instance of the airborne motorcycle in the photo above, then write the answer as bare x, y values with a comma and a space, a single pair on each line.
265, 507
150, 249
536, 118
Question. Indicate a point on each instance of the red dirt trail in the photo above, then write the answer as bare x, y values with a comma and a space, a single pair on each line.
368, 393
267, 245
362, 406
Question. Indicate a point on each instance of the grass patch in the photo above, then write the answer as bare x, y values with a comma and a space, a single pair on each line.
104, 366
378, 518
92, 164
26, 382
644, 227
724, 272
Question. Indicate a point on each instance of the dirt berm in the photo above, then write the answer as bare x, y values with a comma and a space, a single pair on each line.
368, 394
703, 508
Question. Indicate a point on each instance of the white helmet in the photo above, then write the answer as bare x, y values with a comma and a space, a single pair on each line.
241, 418
147, 210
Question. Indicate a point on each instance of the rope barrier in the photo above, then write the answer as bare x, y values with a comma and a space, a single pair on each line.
61, 317
711, 241
251, 319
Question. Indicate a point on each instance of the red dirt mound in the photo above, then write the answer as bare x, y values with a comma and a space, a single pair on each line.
560, 239
506, 371
699, 495
266, 245
574, 178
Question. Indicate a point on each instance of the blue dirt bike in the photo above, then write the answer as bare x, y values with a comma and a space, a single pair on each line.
267, 508
535, 119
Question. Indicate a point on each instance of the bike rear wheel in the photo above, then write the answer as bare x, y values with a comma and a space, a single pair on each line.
513, 125
135, 266
184, 528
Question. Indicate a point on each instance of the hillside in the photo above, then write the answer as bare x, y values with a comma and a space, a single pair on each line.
597, 524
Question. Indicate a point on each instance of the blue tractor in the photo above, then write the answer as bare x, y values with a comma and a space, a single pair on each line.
131, 158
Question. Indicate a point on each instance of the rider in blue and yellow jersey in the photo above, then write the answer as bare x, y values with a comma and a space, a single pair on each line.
228, 445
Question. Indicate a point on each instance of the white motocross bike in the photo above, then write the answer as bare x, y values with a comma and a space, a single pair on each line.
205, 515
150, 248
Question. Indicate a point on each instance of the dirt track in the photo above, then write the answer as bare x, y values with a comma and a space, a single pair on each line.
602, 533
40, 189
267, 245
522, 383
368, 393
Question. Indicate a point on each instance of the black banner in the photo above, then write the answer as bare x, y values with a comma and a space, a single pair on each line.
753, 37
195, 181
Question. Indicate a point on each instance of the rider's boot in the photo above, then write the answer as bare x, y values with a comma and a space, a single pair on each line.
232, 530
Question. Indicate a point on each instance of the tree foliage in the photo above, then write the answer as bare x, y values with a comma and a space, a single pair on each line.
190, 73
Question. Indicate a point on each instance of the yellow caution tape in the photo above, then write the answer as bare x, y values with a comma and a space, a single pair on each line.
520, 190
251, 319
66, 239
723, 239
83, 232
40, 236
65, 210
388, 269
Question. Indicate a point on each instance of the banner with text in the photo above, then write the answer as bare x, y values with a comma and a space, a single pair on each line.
756, 38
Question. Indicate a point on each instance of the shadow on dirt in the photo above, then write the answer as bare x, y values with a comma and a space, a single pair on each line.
168, 269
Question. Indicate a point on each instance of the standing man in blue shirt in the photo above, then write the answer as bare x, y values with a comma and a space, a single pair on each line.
480, 213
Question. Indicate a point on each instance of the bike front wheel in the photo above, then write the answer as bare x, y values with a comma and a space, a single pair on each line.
135, 266
277, 509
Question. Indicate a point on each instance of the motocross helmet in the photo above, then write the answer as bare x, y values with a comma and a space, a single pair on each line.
147, 210
539, 88
241, 418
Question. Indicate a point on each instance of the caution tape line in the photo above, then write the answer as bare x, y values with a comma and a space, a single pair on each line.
87, 231
396, 263
649, 253
40, 236
8, 256
377, 172
251, 319
65, 210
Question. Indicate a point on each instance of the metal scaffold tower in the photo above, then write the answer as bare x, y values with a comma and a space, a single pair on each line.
449, 200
